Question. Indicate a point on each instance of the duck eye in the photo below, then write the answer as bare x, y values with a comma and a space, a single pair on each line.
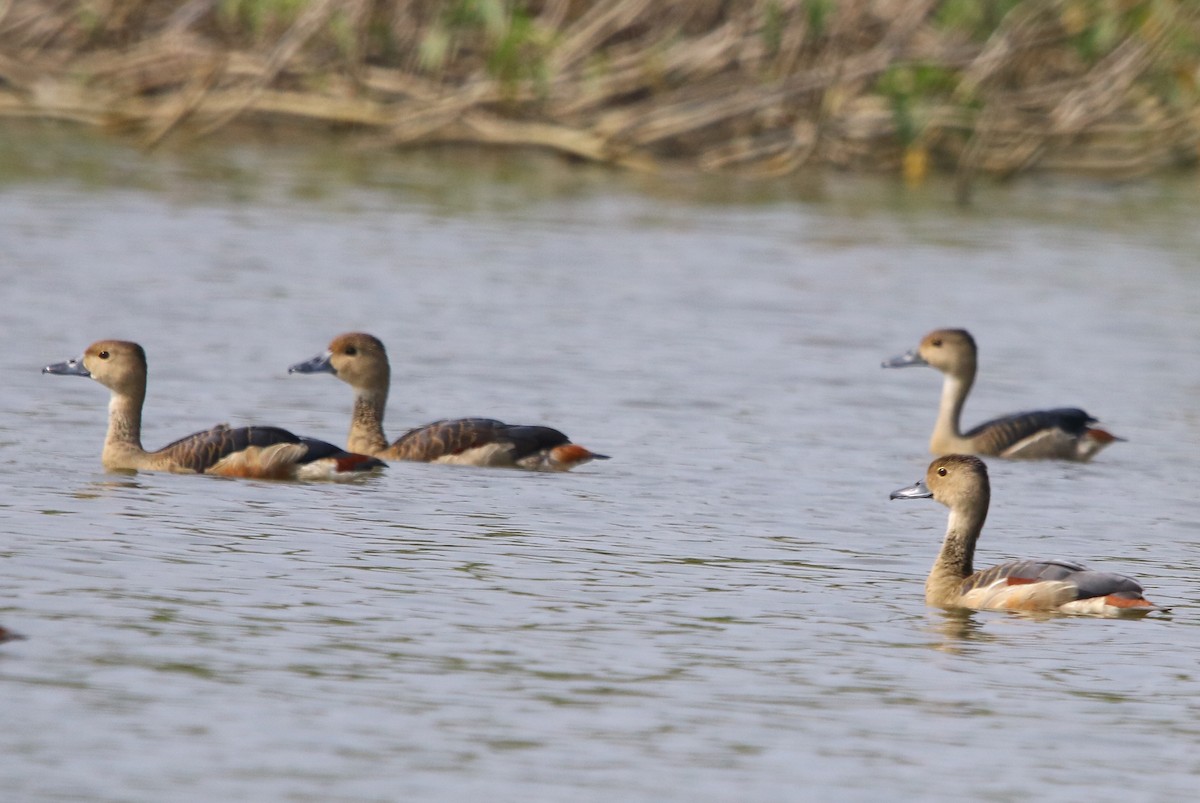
350, 351
941, 471
103, 355
937, 342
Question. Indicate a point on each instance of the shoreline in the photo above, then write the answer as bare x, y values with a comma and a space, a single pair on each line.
890, 86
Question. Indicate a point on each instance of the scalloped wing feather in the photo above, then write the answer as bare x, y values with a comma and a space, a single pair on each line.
201, 451
476, 441
260, 452
1034, 434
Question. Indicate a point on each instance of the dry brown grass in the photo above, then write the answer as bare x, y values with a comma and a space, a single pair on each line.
763, 86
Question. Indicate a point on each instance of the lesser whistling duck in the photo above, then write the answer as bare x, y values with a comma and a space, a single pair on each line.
262, 452
960, 482
1063, 434
361, 361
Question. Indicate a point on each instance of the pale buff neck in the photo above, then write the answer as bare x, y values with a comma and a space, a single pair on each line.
947, 432
123, 443
366, 424
956, 560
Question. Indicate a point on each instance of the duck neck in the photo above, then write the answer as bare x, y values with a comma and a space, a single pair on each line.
956, 561
366, 425
947, 432
123, 443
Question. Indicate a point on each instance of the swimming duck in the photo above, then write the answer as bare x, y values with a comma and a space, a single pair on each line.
361, 361
263, 452
1063, 434
960, 482
9, 635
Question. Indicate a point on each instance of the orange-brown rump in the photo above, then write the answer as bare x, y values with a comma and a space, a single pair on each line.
1101, 435
352, 461
571, 453
1126, 602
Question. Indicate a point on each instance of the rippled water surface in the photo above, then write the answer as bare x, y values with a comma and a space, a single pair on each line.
729, 609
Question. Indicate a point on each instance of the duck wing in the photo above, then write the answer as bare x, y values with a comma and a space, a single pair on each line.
265, 452
1039, 429
492, 441
1046, 585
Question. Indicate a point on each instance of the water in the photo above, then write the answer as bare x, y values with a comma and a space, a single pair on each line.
729, 609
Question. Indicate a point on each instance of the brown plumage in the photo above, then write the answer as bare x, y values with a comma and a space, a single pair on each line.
1065, 433
263, 452
361, 361
961, 483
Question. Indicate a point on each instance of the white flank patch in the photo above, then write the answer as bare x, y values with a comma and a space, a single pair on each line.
1096, 606
326, 470
493, 454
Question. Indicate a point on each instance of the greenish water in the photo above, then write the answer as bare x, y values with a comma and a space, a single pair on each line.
729, 608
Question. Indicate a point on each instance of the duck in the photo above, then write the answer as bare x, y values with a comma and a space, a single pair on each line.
360, 360
9, 635
261, 452
1065, 433
960, 482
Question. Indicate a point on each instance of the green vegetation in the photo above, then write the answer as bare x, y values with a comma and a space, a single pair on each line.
258, 18
762, 87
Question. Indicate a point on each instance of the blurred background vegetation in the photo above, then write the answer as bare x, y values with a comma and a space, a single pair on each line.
763, 87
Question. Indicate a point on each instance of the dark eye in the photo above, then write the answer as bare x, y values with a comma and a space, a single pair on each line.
103, 355
350, 351
937, 342
942, 472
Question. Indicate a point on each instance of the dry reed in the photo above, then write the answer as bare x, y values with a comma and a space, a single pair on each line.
763, 86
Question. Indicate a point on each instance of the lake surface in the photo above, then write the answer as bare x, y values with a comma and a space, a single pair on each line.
729, 609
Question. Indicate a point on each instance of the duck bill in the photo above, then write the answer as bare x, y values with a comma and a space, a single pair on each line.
917, 490
317, 365
905, 360
68, 368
